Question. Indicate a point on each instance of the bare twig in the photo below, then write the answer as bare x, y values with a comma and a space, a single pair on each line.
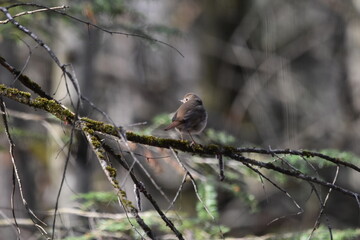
32, 215
178, 192
34, 11
143, 191
12, 200
263, 187
282, 190
303, 153
26, 61
322, 209
62, 181
143, 36
136, 161
49, 51
192, 179
193, 183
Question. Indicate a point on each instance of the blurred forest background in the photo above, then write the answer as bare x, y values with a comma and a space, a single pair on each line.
271, 73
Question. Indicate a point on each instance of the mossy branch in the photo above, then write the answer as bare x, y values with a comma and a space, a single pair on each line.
92, 126
89, 128
111, 173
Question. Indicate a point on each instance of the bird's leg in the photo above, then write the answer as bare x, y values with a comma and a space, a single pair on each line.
193, 141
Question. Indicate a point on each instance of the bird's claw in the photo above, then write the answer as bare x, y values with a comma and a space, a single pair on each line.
192, 144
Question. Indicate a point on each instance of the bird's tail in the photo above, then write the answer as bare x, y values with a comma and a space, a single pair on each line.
172, 125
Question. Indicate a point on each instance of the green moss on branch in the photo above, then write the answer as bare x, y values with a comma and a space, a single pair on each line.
48, 105
100, 126
15, 94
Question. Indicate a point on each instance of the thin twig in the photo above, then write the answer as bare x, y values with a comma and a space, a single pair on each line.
26, 61
143, 36
136, 161
143, 190
293, 174
193, 183
12, 202
47, 48
304, 153
322, 209
34, 11
32, 215
192, 179
62, 181
177, 192
282, 190
263, 187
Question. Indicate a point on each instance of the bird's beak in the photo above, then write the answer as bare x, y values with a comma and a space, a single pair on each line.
182, 100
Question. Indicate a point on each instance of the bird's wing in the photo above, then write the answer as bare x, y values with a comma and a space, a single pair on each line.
196, 114
174, 117
188, 112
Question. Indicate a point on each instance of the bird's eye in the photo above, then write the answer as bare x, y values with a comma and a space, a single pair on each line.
186, 99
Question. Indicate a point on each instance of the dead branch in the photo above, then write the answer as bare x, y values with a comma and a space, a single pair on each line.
34, 11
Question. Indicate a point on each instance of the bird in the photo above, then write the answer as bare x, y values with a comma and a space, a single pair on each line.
190, 117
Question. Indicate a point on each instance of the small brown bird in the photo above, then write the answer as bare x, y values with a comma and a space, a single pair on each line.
191, 116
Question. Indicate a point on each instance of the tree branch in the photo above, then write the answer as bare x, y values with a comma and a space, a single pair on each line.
57, 10
62, 113
110, 173
34, 11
